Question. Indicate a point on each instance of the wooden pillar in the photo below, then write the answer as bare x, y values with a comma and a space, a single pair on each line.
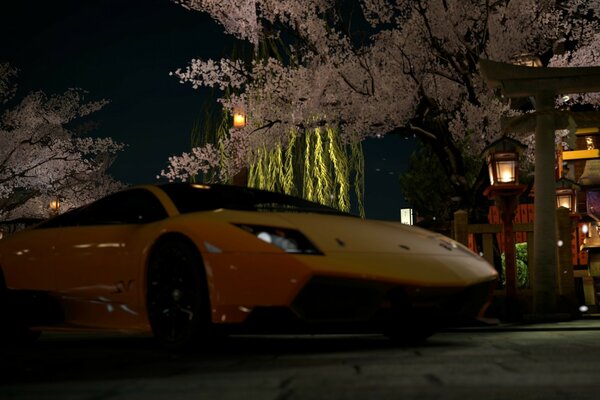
589, 291
530, 253
507, 205
545, 256
461, 227
566, 280
241, 178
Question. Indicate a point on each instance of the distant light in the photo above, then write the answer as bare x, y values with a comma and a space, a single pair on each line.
200, 186
406, 216
560, 243
585, 229
527, 60
583, 308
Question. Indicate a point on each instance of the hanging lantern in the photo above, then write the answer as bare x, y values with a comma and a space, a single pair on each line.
239, 118
55, 205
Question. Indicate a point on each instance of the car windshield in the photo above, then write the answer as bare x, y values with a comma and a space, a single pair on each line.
194, 197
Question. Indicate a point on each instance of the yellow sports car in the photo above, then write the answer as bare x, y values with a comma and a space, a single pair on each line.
186, 261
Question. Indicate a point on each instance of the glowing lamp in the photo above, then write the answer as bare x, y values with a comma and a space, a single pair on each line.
566, 194
585, 228
55, 205
239, 119
503, 161
565, 198
503, 168
527, 60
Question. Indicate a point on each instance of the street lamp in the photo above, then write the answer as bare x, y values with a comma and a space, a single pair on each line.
503, 165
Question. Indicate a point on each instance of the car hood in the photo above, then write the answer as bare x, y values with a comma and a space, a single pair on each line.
390, 250
348, 234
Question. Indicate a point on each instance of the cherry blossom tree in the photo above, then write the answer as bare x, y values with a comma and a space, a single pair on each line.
405, 67
44, 153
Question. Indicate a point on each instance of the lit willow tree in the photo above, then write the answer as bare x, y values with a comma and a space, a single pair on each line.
412, 71
44, 154
314, 164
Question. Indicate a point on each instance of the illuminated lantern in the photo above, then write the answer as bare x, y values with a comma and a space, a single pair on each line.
566, 194
55, 205
239, 119
503, 161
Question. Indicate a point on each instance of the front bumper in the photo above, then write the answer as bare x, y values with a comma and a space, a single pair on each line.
333, 304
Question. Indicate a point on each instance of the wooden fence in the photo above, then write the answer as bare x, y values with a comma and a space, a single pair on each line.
525, 215
523, 224
480, 238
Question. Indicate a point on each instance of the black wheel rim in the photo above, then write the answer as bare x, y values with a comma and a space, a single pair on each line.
173, 295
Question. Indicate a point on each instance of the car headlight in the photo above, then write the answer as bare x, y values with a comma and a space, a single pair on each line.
289, 240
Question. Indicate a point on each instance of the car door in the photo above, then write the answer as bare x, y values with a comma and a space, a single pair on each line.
98, 261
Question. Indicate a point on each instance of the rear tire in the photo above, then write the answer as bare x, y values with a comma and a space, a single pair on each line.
15, 329
177, 295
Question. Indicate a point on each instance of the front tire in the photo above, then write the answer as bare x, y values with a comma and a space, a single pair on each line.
410, 335
177, 295
406, 326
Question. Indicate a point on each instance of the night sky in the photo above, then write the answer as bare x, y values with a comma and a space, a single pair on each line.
123, 50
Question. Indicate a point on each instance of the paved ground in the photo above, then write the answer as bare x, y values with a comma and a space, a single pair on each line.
536, 361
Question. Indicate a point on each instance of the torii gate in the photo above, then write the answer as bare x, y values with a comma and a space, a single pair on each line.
543, 84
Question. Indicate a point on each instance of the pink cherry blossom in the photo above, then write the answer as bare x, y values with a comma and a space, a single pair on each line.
41, 158
415, 71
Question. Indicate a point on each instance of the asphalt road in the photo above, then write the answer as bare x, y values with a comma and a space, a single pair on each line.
549, 361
